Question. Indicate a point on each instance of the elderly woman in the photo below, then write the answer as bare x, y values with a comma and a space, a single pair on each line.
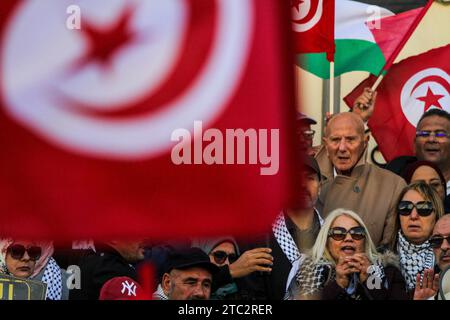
429, 173
344, 264
419, 207
33, 260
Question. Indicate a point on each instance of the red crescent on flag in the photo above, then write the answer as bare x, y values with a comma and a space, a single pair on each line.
436, 79
196, 49
311, 13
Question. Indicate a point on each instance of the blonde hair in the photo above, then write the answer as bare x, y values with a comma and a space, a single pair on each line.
320, 250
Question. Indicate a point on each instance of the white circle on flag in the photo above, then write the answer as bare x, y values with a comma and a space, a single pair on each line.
304, 9
417, 87
35, 93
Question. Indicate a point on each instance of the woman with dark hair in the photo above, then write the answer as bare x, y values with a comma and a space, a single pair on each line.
429, 173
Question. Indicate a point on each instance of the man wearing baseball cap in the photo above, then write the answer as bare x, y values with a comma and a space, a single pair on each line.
188, 276
305, 134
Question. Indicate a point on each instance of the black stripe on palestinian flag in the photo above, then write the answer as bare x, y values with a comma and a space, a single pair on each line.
397, 6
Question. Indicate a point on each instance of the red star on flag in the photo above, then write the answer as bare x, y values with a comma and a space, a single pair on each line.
104, 43
431, 99
296, 4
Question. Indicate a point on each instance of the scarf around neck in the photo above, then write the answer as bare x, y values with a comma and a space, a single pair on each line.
414, 259
289, 247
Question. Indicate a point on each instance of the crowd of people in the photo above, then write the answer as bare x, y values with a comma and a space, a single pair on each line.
359, 232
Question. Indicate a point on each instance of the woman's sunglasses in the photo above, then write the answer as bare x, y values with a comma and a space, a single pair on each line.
17, 251
424, 208
221, 256
339, 233
436, 242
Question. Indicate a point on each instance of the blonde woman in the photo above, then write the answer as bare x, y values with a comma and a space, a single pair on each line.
344, 264
419, 207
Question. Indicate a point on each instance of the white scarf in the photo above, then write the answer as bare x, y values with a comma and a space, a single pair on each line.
414, 259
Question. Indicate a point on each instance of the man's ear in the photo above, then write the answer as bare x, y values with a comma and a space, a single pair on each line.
366, 139
165, 283
324, 142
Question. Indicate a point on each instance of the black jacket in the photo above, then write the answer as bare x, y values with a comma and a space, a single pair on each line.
98, 268
263, 286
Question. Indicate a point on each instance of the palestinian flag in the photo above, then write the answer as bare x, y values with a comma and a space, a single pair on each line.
367, 34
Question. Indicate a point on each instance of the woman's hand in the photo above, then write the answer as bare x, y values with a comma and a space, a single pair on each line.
429, 287
362, 264
258, 259
343, 270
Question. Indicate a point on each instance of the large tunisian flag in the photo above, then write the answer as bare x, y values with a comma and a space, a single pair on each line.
90, 97
411, 87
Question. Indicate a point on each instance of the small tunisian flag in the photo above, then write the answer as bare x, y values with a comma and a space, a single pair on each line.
313, 25
411, 87
149, 119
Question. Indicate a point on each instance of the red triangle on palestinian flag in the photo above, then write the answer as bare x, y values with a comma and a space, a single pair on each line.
410, 88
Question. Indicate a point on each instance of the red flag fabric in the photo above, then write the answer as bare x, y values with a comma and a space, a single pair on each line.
412, 86
313, 25
119, 122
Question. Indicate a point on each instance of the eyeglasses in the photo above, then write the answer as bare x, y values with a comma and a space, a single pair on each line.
437, 134
17, 252
221, 256
436, 241
339, 233
424, 208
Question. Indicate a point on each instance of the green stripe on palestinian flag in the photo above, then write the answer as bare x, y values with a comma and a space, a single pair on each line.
357, 49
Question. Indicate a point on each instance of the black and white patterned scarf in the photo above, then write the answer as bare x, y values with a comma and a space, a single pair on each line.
414, 259
313, 277
288, 246
159, 294
52, 277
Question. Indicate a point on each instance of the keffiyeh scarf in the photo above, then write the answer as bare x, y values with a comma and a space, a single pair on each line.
414, 259
52, 277
313, 277
159, 294
288, 246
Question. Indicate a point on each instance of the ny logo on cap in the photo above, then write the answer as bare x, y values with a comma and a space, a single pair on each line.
131, 287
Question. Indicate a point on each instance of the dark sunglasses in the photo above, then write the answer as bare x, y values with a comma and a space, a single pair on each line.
17, 251
424, 208
339, 233
436, 242
221, 256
